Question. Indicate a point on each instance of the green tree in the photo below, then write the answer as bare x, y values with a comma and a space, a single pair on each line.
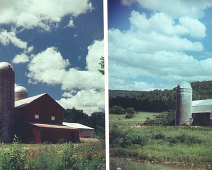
117, 110
102, 64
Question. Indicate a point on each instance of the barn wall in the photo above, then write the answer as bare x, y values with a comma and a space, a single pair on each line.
201, 119
54, 135
86, 133
45, 107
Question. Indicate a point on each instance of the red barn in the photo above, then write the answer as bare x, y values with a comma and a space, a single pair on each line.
39, 119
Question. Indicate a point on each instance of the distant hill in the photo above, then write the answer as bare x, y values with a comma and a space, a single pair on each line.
156, 100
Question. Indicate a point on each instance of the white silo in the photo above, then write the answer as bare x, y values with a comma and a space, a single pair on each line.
7, 79
184, 104
20, 93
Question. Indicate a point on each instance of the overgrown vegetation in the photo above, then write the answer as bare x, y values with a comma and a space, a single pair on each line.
163, 143
162, 119
52, 157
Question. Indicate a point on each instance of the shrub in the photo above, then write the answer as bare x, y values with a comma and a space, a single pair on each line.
129, 116
117, 110
130, 110
162, 119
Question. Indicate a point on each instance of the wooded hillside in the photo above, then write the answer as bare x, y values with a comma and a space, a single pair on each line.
157, 100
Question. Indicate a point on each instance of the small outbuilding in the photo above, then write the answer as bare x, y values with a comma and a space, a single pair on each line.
39, 119
84, 131
202, 112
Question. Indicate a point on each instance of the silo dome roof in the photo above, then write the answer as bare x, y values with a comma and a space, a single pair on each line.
20, 89
184, 85
5, 66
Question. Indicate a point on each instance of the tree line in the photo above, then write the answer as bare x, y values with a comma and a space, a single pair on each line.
96, 120
156, 100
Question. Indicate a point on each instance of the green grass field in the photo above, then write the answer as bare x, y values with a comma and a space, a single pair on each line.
175, 144
139, 118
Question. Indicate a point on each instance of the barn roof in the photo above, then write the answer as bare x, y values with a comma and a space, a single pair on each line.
77, 125
202, 106
24, 102
52, 126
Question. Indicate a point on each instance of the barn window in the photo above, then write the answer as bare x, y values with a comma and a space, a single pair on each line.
36, 116
52, 117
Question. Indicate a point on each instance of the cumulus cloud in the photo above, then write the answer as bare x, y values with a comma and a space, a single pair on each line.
177, 8
157, 47
121, 84
87, 100
7, 38
164, 24
10, 37
86, 84
22, 58
40, 13
42, 70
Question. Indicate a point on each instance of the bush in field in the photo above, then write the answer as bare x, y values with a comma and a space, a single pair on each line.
133, 139
130, 113
116, 136
120, 138
129, 116
117, 110
162, 119
130, 110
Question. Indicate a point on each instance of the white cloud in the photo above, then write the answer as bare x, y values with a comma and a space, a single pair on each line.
47, 66
55, 72
71, 23
194, 26
177, 8
40, 13
50, 67
117, 83
127, 2
10, 37
165, 25
30, 49
95, 52
156, 48
22, 58
88, 100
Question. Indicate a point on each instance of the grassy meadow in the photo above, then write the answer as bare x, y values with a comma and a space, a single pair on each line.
67, 156
170, 144
139, 118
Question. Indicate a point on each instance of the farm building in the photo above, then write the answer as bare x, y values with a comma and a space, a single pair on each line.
202, 112
198, 112
84, 131
39, 119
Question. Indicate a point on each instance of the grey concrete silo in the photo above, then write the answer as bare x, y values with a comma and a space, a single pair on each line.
184, 104
7, 79
20, 93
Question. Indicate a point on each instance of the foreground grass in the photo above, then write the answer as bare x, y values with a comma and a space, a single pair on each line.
87, 156
181, 145
190, 145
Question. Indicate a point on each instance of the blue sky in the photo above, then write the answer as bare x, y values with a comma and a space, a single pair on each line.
158, 44
55, 48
